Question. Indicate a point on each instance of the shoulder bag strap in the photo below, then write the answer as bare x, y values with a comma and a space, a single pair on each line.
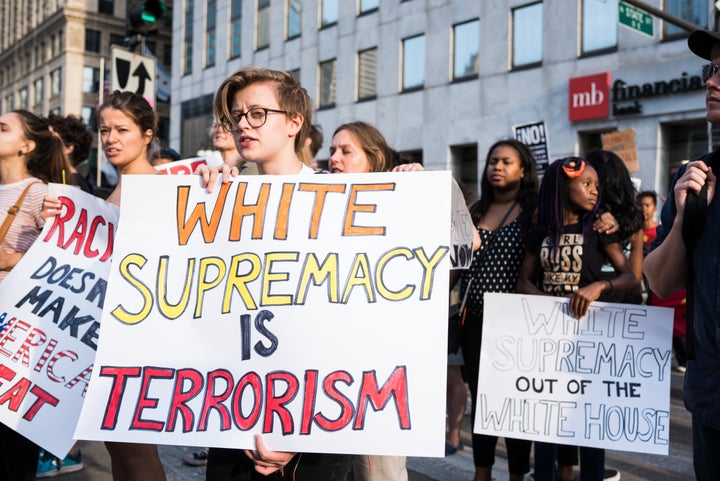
12, 211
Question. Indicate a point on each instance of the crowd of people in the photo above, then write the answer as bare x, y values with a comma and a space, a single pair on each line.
263, 125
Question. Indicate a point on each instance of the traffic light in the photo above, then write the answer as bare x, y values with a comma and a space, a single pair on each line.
144, 17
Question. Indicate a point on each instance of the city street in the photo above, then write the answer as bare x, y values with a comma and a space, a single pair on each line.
677, 466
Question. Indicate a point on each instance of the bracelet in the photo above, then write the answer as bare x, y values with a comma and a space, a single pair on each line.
611, 286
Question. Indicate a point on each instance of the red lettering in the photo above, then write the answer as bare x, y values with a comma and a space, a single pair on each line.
45, 355
43, 398
78, 235
213, 401
15, 394
120, 377
346, 407
6, 373
145, 402
8, 334
60, 219
311, 383
180, 398
35, 338
395, 386
72, 355
250, 380
275, 404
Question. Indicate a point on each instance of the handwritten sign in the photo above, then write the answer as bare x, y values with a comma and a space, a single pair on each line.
308, 308
601, 381
623, 143
188, 166
50, 309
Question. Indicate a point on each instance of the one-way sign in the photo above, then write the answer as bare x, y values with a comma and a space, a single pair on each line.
134, 73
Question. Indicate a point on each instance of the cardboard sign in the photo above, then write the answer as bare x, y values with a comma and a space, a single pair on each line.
188, 166
311, 309
601, 381
50, 309
622, 142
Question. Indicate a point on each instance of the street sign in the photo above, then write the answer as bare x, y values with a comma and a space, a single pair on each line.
636, 19
133, 72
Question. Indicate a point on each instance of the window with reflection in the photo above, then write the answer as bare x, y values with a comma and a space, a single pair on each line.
328, 12
527, 35
188, 37
693, 11
294, 9
92, 40
39, 91
235, 28
367, 74
466, 46
262, 34
91, 80
369, 5
413, 63
599, 25
326, 87
210, 23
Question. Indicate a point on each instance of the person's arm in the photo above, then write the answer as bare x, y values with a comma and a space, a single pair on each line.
666, 266
624, 282
636, 254
8, 260
528, 268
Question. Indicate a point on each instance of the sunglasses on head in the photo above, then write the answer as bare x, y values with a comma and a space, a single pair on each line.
573, 167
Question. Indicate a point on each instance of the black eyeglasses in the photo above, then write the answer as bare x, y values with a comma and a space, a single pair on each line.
256, 117
709, 71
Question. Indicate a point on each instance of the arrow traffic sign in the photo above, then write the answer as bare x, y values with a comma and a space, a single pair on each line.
130, 71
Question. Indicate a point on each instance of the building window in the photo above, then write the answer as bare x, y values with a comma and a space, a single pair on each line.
39, 91
88, 116
326, 95
465, 168
116, 39
599, 25
367, 74
210, 33
10, 102
295, 73
52, 46
55, 82
262, 32
91, 80
92, 40
367, 6
413, 59
328, 12
106, 6
466, 44
235, 28
693, 11
294, 9
188, 38
527, 48
24, 98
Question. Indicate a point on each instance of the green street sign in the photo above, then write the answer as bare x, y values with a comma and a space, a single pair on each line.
636, 19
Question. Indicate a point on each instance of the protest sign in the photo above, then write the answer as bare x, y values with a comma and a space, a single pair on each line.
462, 229
601, 381
534, 135
50, 309
623, 143
310, 309
188, 166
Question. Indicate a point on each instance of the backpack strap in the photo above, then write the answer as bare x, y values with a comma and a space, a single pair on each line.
696, 207
13, 210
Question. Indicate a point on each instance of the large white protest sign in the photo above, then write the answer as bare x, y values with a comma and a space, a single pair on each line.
50, 309
601, 381
310, 309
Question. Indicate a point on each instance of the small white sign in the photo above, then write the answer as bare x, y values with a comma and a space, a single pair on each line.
132, 72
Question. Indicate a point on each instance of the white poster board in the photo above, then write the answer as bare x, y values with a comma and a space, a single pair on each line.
601, 381
188, 166
50, 309
311, 309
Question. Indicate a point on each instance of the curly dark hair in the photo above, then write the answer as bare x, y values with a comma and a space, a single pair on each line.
528, 195
74, 133
618, 192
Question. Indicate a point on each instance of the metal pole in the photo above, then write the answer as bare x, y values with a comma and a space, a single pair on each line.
664, 15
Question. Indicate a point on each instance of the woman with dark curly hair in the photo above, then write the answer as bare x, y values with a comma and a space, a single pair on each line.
503, 216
